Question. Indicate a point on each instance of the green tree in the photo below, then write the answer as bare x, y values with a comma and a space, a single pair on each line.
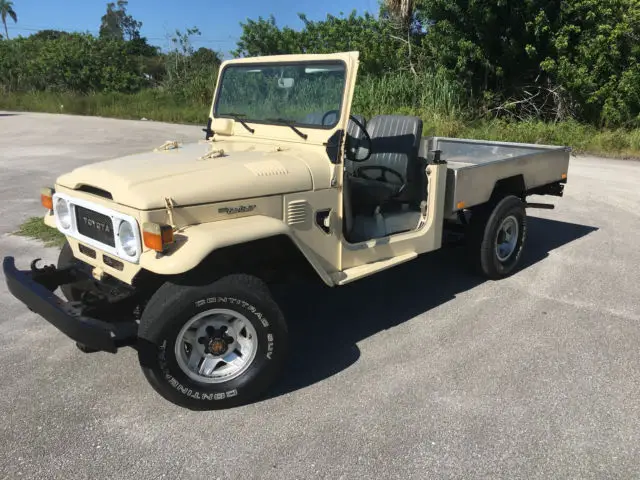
380, 47
117, 24
75, 62
190, 73
264, 37
205, 57
49, 34
594, 54
541, 58
6, 10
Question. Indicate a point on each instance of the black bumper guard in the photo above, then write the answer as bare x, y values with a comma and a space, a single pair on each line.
35, 289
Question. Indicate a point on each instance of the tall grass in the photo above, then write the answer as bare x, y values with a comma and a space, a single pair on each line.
155, 105
434, 97
440, 103
580, 137
431, 94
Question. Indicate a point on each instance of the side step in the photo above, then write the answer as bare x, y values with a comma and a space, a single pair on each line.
356, 273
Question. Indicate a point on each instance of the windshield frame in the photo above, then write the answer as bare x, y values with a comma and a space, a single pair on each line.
315, 126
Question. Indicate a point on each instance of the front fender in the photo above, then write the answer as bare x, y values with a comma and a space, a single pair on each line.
195, 243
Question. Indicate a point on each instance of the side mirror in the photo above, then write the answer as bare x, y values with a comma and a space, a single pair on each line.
362, 153
357, 150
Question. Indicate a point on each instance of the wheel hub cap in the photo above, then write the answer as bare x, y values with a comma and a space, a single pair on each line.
507, 238
216, 346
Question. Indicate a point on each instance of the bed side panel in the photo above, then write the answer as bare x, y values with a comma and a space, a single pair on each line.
473, 185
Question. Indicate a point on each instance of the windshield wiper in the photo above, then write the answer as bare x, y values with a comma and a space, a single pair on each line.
288, 123
236, 116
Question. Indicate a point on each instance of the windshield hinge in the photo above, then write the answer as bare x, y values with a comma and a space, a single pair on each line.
333, 146
168, 203
208, 133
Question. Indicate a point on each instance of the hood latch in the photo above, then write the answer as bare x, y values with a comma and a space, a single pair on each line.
212, 154
168, 145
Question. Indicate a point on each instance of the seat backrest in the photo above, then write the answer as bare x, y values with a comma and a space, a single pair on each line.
395, 144
352, 127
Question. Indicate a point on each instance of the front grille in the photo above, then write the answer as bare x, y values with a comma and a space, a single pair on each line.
95, 225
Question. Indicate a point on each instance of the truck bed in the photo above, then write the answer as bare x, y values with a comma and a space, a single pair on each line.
474, 167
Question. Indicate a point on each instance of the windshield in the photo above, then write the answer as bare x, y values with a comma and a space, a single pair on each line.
303, 94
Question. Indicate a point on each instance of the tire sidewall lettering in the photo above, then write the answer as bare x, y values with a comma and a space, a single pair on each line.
185, 386
233, 301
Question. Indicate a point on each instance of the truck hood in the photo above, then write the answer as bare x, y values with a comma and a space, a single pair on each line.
143, 181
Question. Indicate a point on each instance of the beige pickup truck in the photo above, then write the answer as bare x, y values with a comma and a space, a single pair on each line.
173, 251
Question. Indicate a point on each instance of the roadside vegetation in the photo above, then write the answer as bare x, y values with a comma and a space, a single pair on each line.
535, 71
35, 227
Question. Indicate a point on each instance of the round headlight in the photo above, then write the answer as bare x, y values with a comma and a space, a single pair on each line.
127, 239
64, 213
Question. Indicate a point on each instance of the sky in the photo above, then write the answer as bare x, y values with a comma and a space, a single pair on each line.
218, 21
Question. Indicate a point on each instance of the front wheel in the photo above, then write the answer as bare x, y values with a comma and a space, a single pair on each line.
497, 237
213, 346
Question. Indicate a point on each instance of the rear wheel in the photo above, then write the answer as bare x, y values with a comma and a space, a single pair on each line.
497, 237
213, 346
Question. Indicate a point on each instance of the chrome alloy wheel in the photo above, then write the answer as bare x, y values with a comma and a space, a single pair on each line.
507, 238
216, 346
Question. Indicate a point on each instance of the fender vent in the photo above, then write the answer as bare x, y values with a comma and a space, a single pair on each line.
298, 213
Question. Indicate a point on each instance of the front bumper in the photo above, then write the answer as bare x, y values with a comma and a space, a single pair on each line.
35, 289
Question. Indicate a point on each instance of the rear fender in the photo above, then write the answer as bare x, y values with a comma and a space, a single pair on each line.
195, 243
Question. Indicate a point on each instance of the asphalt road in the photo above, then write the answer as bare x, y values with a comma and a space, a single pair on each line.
420, 372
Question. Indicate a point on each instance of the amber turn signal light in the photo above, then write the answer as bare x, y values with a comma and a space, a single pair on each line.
46, 198
157, 236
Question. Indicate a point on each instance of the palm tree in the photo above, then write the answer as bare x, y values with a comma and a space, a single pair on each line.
401, 10
6, 9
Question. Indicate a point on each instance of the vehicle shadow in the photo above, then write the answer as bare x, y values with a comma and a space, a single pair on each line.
329, 322
8, 114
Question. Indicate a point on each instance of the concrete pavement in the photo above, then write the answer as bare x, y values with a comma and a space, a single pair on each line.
419, 372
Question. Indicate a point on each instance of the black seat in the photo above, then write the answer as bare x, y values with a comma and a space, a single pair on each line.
395, 145
353, 129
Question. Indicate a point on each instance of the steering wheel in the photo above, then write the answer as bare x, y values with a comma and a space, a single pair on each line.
351, 151
382, 177
327, 113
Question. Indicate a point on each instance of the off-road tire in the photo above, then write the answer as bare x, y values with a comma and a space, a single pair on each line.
483, 229
173, 305
65, 259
